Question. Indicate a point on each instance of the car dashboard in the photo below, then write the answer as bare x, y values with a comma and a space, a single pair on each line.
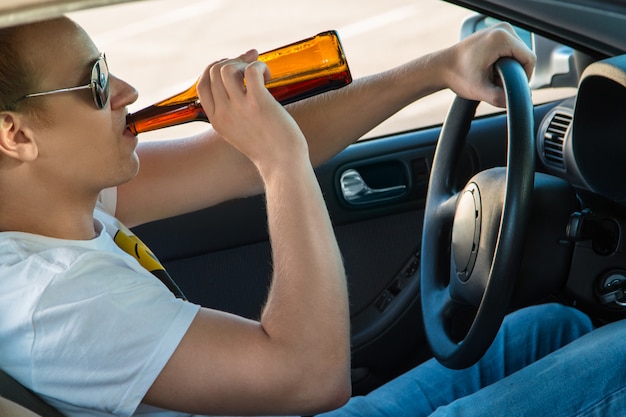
582, 140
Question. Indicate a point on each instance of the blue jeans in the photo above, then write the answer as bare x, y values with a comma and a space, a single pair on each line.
519, 375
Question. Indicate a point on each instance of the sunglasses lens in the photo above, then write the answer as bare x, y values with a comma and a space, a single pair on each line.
100, 82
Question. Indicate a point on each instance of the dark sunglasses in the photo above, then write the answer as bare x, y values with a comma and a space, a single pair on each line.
99, 85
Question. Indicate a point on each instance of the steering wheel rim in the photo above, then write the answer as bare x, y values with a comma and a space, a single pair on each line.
442, 289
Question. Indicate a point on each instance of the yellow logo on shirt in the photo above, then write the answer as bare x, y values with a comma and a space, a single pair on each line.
138, 250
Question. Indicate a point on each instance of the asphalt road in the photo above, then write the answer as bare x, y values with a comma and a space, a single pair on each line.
161, 46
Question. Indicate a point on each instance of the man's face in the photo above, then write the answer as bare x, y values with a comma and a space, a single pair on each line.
80, 148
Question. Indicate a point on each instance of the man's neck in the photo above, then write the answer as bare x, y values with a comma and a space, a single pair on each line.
49, 214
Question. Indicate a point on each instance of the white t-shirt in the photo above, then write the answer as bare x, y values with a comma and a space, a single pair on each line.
83, 324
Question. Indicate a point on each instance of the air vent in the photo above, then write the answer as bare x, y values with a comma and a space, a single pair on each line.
554, 138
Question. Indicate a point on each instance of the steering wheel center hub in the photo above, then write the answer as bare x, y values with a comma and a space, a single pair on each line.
466, 231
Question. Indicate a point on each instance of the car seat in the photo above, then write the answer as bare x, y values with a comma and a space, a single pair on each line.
19, 394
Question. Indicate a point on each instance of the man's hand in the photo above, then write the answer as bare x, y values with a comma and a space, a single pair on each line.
245, 114
470, 72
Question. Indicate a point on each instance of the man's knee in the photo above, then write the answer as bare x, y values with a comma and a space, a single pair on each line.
551, 325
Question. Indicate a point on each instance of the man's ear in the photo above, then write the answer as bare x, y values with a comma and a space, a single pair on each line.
16, 139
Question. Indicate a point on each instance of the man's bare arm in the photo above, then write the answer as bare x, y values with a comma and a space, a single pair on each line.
296, 359
183, 175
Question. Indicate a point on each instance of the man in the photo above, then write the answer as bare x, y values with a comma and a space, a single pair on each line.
86, 327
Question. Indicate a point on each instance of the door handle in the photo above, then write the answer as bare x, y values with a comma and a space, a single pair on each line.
356, 191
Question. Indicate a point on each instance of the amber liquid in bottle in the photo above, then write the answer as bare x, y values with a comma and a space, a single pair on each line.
299, 70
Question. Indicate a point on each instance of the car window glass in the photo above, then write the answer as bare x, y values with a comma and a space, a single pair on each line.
161, 46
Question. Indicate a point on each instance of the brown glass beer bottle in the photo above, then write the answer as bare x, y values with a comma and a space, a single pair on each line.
299, 70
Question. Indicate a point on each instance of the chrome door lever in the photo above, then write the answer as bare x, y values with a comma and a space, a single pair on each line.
356, 191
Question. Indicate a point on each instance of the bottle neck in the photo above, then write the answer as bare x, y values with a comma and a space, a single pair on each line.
158, 116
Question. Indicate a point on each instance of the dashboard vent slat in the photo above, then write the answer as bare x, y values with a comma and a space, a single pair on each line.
554, 139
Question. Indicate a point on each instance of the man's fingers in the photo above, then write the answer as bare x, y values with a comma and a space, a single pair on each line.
226, 78
256, 74
233, 80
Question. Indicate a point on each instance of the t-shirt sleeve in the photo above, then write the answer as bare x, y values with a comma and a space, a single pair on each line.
103, 333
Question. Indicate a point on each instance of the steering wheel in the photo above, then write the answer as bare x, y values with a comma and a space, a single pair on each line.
473, 239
